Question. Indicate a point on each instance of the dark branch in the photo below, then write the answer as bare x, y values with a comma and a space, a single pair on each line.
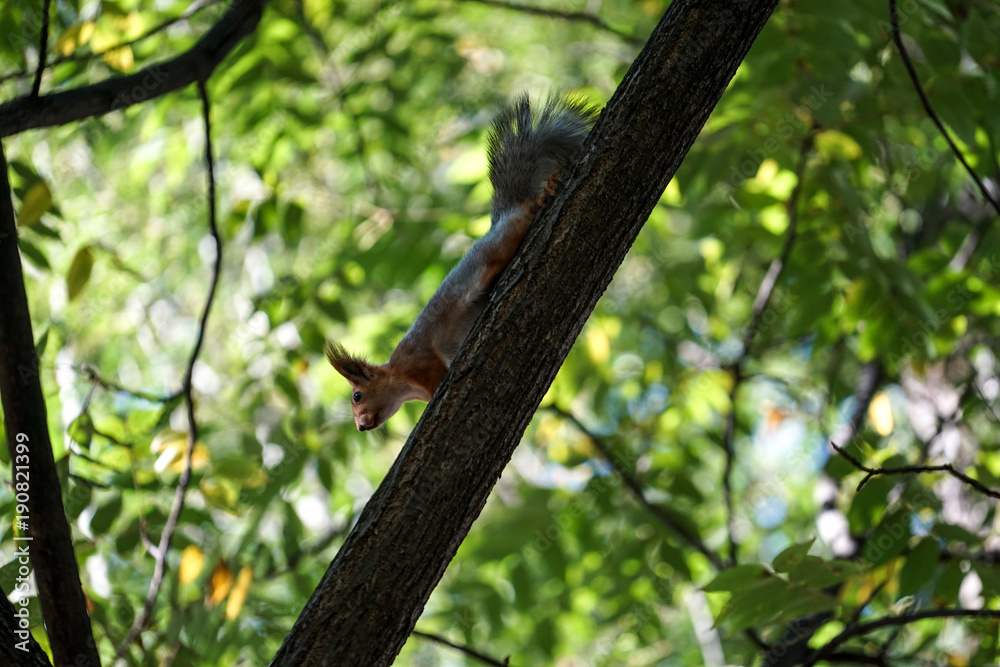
471, 652
192, 9
824, 652
43, 47
196, 64
49, 542
914, 470
95, 377
586, 17
29, 654
897, 38
187, 390
636, 490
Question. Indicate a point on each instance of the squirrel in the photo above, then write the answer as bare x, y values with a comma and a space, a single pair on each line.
527, 147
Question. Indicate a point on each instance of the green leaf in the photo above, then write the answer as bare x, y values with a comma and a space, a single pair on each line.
738, 578
42, 343
79, 271
29, 250
37, 200
918, 570
81, 430
791, 556
105, 515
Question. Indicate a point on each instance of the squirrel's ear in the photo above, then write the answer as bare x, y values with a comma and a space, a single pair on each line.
355, 369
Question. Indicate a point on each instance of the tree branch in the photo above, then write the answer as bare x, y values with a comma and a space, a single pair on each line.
195, 64
471, 652
32, 654
891, 621
913, 470
897, 38
49, 542
635, 489
43, 47
586, 17
187, 390
369, 599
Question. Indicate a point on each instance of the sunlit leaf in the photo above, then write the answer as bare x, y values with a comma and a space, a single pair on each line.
37, 200
79, 272
191, 563
239, 593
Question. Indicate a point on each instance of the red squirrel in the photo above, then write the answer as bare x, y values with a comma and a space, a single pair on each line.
527, 147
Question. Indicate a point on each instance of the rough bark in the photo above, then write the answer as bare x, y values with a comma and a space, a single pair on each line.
50, 546
369, 599
195, 64
10, 653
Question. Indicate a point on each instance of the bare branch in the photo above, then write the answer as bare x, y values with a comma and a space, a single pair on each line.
890, 621
43, 47
636, 490
182, 483
195, 64
897, 38
95, 377
471, 652
192, 9
914, 470
586, 17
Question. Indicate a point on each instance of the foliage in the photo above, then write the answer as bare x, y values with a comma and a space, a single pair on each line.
351, 176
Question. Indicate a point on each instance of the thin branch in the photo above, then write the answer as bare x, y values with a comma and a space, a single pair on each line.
187, 390
195, 64
989, 406
586, 17
43, 47
897, 38
193, 9
636, 490
95, 377
760, 302
471, 652
914, 470
892, 621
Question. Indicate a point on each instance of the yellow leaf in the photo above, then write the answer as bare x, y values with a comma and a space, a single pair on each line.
171, 447
73, 38
37, 200
239, 594
120, 59
219, 584
191, 564
79, 272
880, 414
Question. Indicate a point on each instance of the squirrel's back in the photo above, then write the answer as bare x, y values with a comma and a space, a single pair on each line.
528, 143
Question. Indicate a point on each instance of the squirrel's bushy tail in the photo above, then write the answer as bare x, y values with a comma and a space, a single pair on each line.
526, 145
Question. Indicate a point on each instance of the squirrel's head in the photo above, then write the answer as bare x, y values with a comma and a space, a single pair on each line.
376, 392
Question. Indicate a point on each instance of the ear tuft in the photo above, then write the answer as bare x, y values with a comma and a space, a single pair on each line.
355, 369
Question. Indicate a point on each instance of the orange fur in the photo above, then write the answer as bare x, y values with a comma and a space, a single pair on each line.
525, 146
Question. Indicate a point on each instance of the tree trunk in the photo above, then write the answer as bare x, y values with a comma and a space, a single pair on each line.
371, 596
47, 540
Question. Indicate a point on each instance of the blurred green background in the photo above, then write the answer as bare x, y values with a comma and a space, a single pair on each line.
351, 178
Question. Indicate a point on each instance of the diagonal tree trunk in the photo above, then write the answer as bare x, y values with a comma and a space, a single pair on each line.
371, 596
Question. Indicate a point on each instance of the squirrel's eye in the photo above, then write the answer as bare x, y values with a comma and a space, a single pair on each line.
357, 397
